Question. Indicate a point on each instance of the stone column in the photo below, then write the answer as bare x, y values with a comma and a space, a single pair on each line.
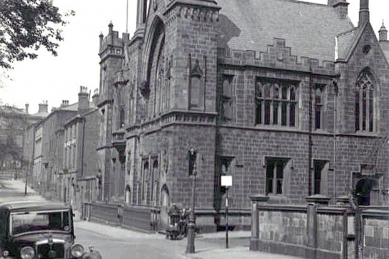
255, 200
313, 202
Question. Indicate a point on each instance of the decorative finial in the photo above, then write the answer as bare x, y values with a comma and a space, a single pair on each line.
383, 32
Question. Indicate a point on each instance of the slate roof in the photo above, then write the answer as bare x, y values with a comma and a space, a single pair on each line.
41, 114
309, 29
385, 48
70, 107
345, 42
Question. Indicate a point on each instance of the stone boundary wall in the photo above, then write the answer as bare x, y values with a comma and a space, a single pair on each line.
376, 233
319, 231
148, 219
138, 218
101, 213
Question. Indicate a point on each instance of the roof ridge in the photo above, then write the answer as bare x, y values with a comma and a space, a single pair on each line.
308, 3
347, 32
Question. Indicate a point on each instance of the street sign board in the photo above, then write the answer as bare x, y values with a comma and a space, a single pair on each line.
226, 180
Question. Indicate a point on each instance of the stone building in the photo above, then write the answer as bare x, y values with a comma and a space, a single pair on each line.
29, 143
288, 97
79, 183
48, 151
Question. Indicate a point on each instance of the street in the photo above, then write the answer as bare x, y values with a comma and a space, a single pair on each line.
154, 246
114, 242
118, 243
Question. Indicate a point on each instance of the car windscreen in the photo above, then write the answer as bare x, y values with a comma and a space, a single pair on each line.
36, 221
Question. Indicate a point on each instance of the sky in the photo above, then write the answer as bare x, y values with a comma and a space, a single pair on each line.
54, 79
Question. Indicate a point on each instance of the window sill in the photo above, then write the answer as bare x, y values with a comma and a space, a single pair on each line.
277, 198
366, 133
275, 127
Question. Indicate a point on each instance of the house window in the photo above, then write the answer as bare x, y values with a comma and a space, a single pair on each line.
227, 99
276, 103
275, 174
320, 172
364, 102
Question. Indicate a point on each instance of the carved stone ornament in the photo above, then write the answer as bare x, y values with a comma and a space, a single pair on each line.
196, 70
198, 14
169, 67
144, 89
280, 56
155, 4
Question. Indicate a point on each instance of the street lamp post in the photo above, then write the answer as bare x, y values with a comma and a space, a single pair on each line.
226, 181
27, 168
190, 248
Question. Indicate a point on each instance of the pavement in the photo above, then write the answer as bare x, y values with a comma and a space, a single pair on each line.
207, 245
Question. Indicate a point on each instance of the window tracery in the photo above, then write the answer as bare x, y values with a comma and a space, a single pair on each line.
364, 102
276, 103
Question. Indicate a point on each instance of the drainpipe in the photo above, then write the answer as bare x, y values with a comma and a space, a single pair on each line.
335, 111
83, 146
310, 133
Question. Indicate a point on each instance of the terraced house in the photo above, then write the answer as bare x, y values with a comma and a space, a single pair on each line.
289, 98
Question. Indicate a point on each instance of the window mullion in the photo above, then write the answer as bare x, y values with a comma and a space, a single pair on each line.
279, 111
367, 110
275, 178
361, 110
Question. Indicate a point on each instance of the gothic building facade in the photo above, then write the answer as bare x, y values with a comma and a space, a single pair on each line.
287, 97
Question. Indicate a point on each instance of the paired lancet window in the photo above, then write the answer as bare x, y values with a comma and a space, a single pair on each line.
364, 102
276, 103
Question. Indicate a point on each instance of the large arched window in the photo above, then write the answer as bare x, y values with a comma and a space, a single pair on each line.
364, 102
276, 103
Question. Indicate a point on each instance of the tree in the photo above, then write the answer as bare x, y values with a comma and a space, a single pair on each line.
26, 26
12, 125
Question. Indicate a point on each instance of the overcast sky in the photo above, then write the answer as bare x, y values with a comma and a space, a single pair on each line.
59, 78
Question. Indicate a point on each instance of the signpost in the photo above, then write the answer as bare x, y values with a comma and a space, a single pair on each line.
226, 181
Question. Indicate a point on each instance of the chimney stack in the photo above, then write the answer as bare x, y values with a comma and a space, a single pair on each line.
27, 105
83, 99
364, 14
341, 6
43, 107
95, 97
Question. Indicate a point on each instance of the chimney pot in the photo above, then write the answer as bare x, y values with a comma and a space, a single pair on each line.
110, 27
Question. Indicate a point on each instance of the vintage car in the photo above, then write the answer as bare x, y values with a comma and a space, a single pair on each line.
38, 230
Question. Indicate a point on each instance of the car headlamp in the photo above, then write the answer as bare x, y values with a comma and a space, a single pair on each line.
77, 250
27, 252
5, 253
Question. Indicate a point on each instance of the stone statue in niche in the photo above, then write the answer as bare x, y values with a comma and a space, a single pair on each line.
196, 86
144, 89
169, 67
165, 161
